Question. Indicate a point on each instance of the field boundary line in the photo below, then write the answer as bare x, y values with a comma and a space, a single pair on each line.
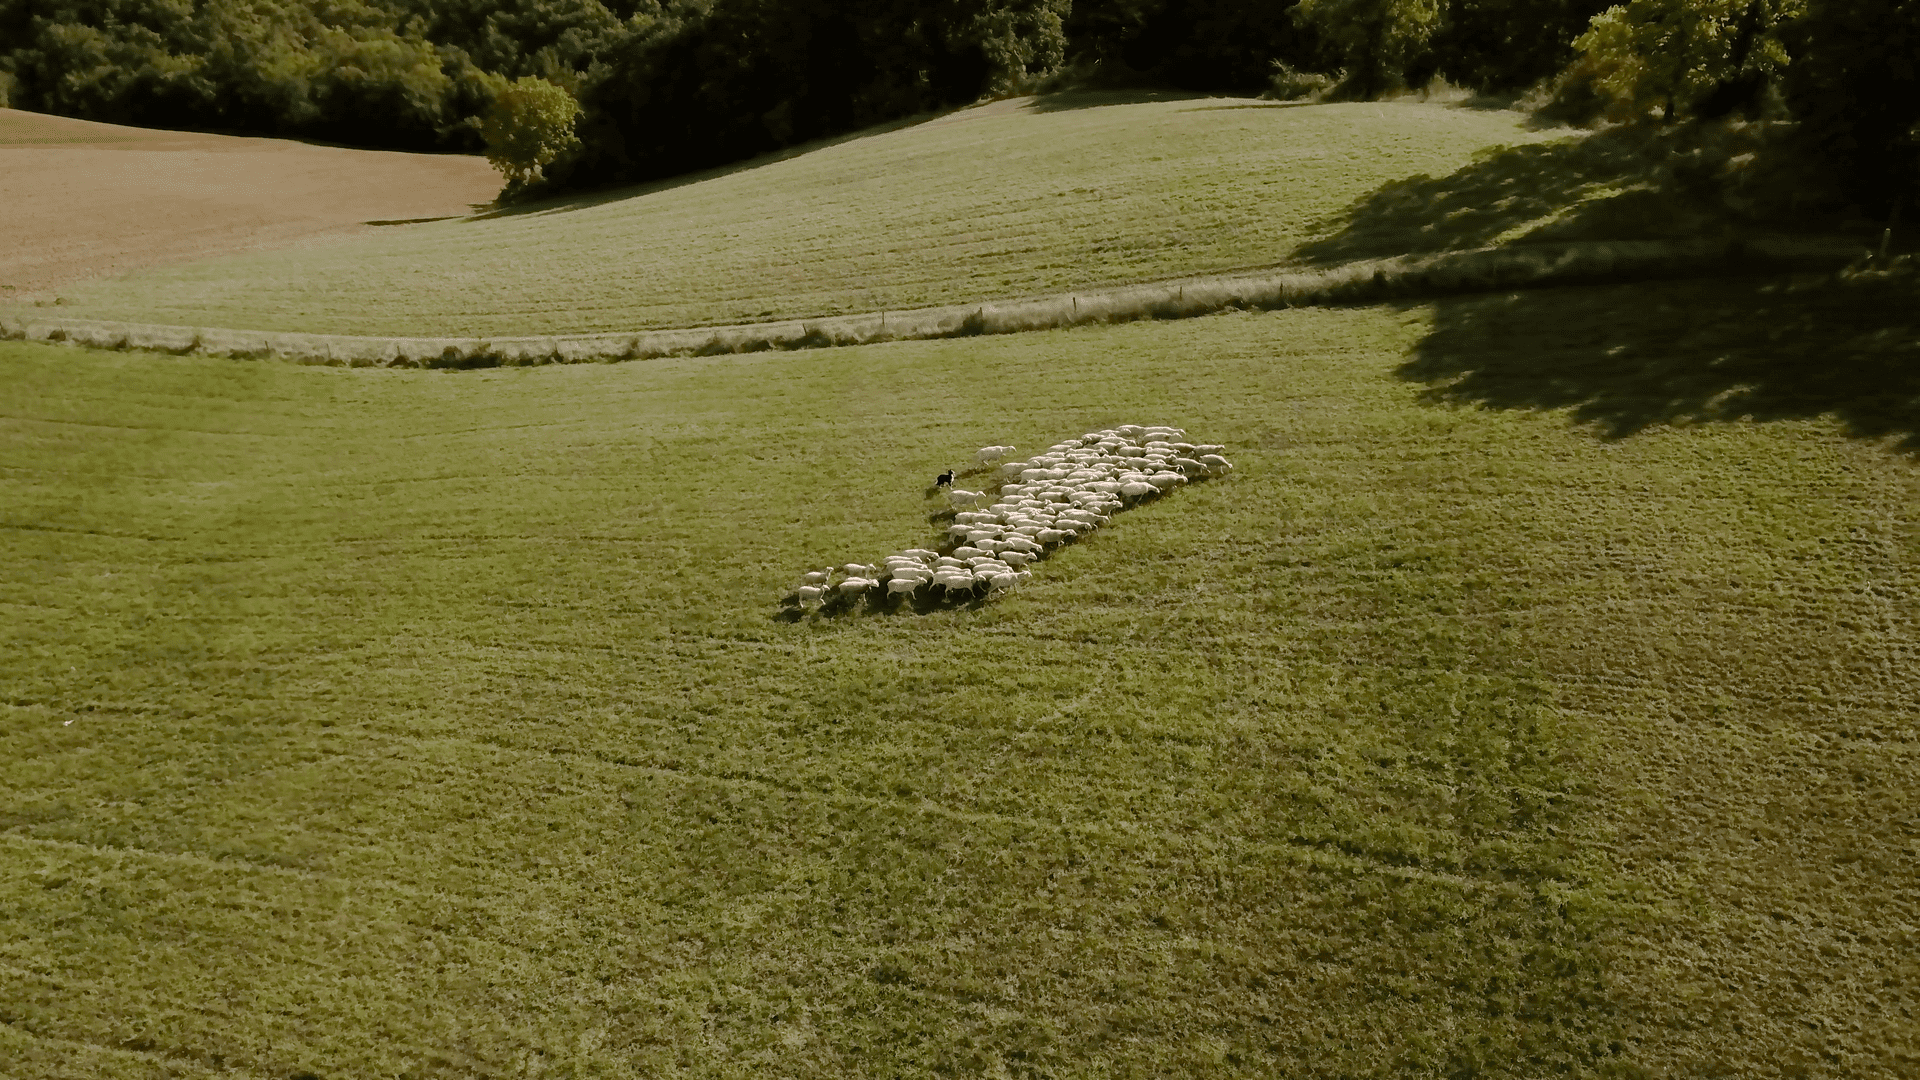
1405, 277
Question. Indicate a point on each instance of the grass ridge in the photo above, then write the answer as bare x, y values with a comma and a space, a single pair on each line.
1366, 281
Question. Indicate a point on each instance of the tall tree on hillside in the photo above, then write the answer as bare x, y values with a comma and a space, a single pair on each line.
1375, 40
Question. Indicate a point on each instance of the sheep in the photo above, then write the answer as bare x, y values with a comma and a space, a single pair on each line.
1062, 494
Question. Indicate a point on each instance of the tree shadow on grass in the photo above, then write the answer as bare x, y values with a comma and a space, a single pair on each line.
1601, 187
1070, 100
1630, 357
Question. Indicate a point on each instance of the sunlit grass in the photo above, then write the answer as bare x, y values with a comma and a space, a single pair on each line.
369, 723
973, 206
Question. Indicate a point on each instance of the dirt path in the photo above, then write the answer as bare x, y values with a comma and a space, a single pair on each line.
80, 200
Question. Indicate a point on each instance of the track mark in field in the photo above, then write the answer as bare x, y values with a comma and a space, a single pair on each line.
27, 526
1305, 853
167, 1062
155, 428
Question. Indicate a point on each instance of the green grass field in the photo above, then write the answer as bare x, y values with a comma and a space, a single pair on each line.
1536, 697
978, 205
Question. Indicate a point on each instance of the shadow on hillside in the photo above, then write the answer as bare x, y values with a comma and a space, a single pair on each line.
1069, 100
583, 200
1626, 358
1602, 187
1255, 105
925, 601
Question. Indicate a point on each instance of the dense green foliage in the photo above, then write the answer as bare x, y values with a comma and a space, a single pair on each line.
719, 80
338, 70
1682, 55
1212, 45
1505, 44
1856, 83
669, 86
1375, 41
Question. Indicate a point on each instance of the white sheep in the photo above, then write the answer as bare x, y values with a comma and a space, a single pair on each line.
987, 455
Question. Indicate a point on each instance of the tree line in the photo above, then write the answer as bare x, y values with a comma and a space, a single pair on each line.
575, 93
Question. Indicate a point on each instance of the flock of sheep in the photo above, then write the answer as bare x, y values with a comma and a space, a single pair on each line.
1052, 499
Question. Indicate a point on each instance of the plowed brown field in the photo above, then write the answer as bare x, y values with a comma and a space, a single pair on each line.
80, 200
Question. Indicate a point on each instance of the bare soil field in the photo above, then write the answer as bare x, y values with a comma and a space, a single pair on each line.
81, 200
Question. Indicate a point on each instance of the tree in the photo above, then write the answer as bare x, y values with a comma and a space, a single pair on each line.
1675, 55
529, 124
1375, 40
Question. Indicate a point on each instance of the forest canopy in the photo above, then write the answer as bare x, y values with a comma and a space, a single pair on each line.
667, 86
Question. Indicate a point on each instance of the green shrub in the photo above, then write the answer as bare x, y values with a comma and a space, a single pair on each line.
1290, 84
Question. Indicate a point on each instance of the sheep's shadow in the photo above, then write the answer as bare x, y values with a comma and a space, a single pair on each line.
923, 601
1630, 357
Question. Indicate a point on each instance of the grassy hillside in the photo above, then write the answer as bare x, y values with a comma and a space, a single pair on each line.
990, 203
368, 723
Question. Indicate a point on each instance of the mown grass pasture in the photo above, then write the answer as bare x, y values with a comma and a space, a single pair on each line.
1003, 201
1536, 697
